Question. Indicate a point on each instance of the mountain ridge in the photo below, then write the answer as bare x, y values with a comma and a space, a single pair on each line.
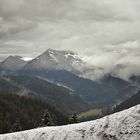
60, 97
12, 63
68, 69
58, 60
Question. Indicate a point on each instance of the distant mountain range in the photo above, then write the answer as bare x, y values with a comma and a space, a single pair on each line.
67, 69
51, 60
61, 98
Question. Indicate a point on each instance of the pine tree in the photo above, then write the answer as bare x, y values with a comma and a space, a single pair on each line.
16, 126
47, 120
74, 118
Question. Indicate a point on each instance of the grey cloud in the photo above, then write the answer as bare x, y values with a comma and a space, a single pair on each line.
73, 9
20, 15
15, 25
110, 56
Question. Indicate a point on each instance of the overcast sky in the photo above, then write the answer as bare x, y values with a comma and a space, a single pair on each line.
106, 32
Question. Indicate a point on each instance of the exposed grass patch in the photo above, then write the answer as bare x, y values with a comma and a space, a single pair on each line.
89, 115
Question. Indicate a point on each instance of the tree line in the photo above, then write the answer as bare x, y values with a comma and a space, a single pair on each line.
19, 113
45, 121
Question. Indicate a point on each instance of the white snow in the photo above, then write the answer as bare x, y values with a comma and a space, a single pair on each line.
124, 125
26, 58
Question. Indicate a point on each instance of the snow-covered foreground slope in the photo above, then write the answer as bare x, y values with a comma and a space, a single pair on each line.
124, 125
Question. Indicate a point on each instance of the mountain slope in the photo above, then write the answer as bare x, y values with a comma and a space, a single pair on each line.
62, 98
56, 60
134, 100
124, 125
62, 60
94, 93
107, 92
124, 89
12, 63
90, 91
8, 86
28, 110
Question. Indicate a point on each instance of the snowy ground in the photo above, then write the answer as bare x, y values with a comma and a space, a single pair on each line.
124, 125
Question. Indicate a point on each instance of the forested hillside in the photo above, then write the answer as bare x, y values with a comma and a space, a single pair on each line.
64, 99
134, 100
124, 125
28, 111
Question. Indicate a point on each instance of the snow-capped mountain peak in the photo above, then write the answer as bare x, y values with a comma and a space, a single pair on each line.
56, 60
68, 55
63, 60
